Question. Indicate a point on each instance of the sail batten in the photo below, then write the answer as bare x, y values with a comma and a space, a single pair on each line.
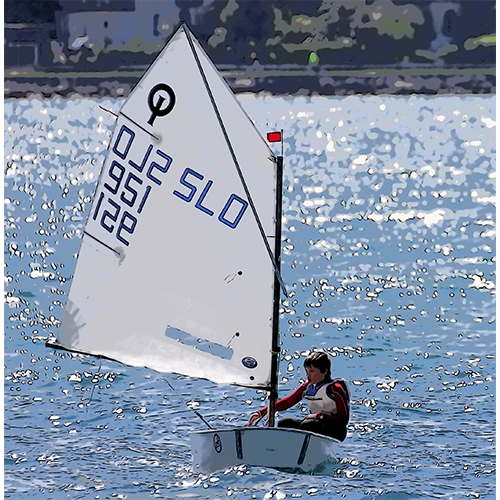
140, 126
172, 273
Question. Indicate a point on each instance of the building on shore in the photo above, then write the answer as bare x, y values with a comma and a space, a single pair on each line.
114, 34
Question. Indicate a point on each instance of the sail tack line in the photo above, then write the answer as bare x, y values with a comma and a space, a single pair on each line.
130, 120
109, 111
93, 388
190, 407
235, 161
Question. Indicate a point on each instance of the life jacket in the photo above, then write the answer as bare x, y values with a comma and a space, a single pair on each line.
340, 386
319, 402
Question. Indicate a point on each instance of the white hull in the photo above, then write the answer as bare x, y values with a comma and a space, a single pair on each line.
280, 448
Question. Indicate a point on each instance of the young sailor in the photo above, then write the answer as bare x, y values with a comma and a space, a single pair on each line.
327, 398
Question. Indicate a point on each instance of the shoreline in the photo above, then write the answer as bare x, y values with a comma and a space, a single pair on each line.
23, 83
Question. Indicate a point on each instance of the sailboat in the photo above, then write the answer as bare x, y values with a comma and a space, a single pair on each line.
179, 265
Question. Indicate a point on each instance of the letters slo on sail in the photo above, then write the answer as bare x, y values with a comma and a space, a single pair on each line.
178, 269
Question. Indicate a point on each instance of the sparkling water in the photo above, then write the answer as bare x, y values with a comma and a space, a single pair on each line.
389, 258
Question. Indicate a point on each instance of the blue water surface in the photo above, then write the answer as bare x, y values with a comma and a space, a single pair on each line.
389, 255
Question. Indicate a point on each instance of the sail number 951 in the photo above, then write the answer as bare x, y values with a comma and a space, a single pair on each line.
126, 186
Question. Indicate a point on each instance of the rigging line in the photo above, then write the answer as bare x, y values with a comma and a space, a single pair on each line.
140, 126
236, 164
109, 111
102, 243
197, 413
93, 388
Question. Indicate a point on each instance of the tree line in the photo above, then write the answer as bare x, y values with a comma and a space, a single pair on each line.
317, 33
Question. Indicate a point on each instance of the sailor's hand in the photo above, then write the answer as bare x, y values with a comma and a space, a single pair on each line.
254, 418
312, 417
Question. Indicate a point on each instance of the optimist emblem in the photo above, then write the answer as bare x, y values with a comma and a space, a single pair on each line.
249, 362
156, 109
217, 443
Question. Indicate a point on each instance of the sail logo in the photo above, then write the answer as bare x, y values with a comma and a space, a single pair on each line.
156, 109
233, 209
124, 191
217, 443
249, 362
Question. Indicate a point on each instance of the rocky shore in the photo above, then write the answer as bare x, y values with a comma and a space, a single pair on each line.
277, 81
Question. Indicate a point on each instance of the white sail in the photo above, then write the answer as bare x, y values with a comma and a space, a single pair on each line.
173, 273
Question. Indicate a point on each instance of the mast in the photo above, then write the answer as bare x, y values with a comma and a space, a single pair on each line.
275, 343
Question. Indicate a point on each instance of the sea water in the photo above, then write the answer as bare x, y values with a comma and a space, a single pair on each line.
389, 258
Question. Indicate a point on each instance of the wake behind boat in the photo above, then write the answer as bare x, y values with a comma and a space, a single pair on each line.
186, 225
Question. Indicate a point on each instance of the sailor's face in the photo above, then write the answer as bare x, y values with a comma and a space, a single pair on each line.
314, 375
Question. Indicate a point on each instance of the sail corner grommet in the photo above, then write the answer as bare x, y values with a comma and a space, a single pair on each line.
157, 138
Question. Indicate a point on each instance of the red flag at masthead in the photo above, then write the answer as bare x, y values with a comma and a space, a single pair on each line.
274, 136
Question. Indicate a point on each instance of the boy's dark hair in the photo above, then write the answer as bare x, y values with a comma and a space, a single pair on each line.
321, 361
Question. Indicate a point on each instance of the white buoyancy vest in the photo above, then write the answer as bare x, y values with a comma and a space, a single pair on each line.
317, 399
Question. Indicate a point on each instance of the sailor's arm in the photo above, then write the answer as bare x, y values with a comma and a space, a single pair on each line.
282, 404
